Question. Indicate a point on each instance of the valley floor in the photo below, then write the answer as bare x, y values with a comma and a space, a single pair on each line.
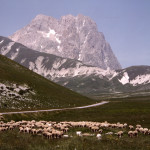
131, 111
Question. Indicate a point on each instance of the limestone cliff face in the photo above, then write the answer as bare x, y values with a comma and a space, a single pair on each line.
69, 37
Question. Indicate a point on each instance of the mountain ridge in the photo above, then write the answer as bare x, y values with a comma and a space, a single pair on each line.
75, 75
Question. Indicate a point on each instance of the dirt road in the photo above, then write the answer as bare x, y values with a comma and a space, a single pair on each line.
35, 111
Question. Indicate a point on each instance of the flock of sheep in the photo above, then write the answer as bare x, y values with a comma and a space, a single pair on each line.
53, 130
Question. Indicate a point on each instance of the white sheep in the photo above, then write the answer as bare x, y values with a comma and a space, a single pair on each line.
99, 136
133, 133
138, 126
65, 136
131, 127
79, 133
119, 134
109, 133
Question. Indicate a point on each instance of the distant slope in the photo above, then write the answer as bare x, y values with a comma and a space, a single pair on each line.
131, 79
58, 69
46, 93
75, 75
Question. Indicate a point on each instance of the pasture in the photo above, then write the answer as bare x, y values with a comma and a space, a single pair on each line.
129, 110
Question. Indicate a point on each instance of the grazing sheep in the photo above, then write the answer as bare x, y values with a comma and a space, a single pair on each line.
140, 130
65, 129
39, 131
120, 126
145, 130
109, 133
131, 127
47, 135
130, 134
100, 130
33, 131
28, 130
65, 136
138, 126
60, 134
1, 117
79, 133
53, 130
95, 129
3, 128
149, 132
11, 127
135, 133
99, 136
119, 134
125, 125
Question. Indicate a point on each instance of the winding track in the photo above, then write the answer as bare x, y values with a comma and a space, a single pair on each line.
33, 111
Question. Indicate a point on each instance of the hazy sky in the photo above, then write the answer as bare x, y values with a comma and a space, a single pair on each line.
125, 23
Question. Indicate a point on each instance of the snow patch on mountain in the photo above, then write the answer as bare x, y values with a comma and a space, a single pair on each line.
141, 79
58, 40
15, 54
7, 48
125, 79
52, 35
50, 32
17, 49
23, 60
31, 66
39, 65
65, 83
113, 74
1, 41
79, 57
58, 63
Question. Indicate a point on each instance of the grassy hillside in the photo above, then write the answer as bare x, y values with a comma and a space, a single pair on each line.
133, 111
47, 93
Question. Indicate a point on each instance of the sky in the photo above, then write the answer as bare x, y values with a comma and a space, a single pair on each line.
125, 23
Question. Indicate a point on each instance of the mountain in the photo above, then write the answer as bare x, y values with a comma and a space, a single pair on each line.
68, 37
75, 75
23, 89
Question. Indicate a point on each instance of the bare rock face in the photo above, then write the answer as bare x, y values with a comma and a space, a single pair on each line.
69, 37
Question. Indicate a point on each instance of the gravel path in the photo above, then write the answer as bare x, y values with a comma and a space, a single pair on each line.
33, 111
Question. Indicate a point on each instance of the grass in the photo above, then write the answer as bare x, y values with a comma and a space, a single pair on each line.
29, 142
48, 94
132, 111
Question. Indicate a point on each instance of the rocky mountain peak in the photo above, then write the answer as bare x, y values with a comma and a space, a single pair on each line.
75, 37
